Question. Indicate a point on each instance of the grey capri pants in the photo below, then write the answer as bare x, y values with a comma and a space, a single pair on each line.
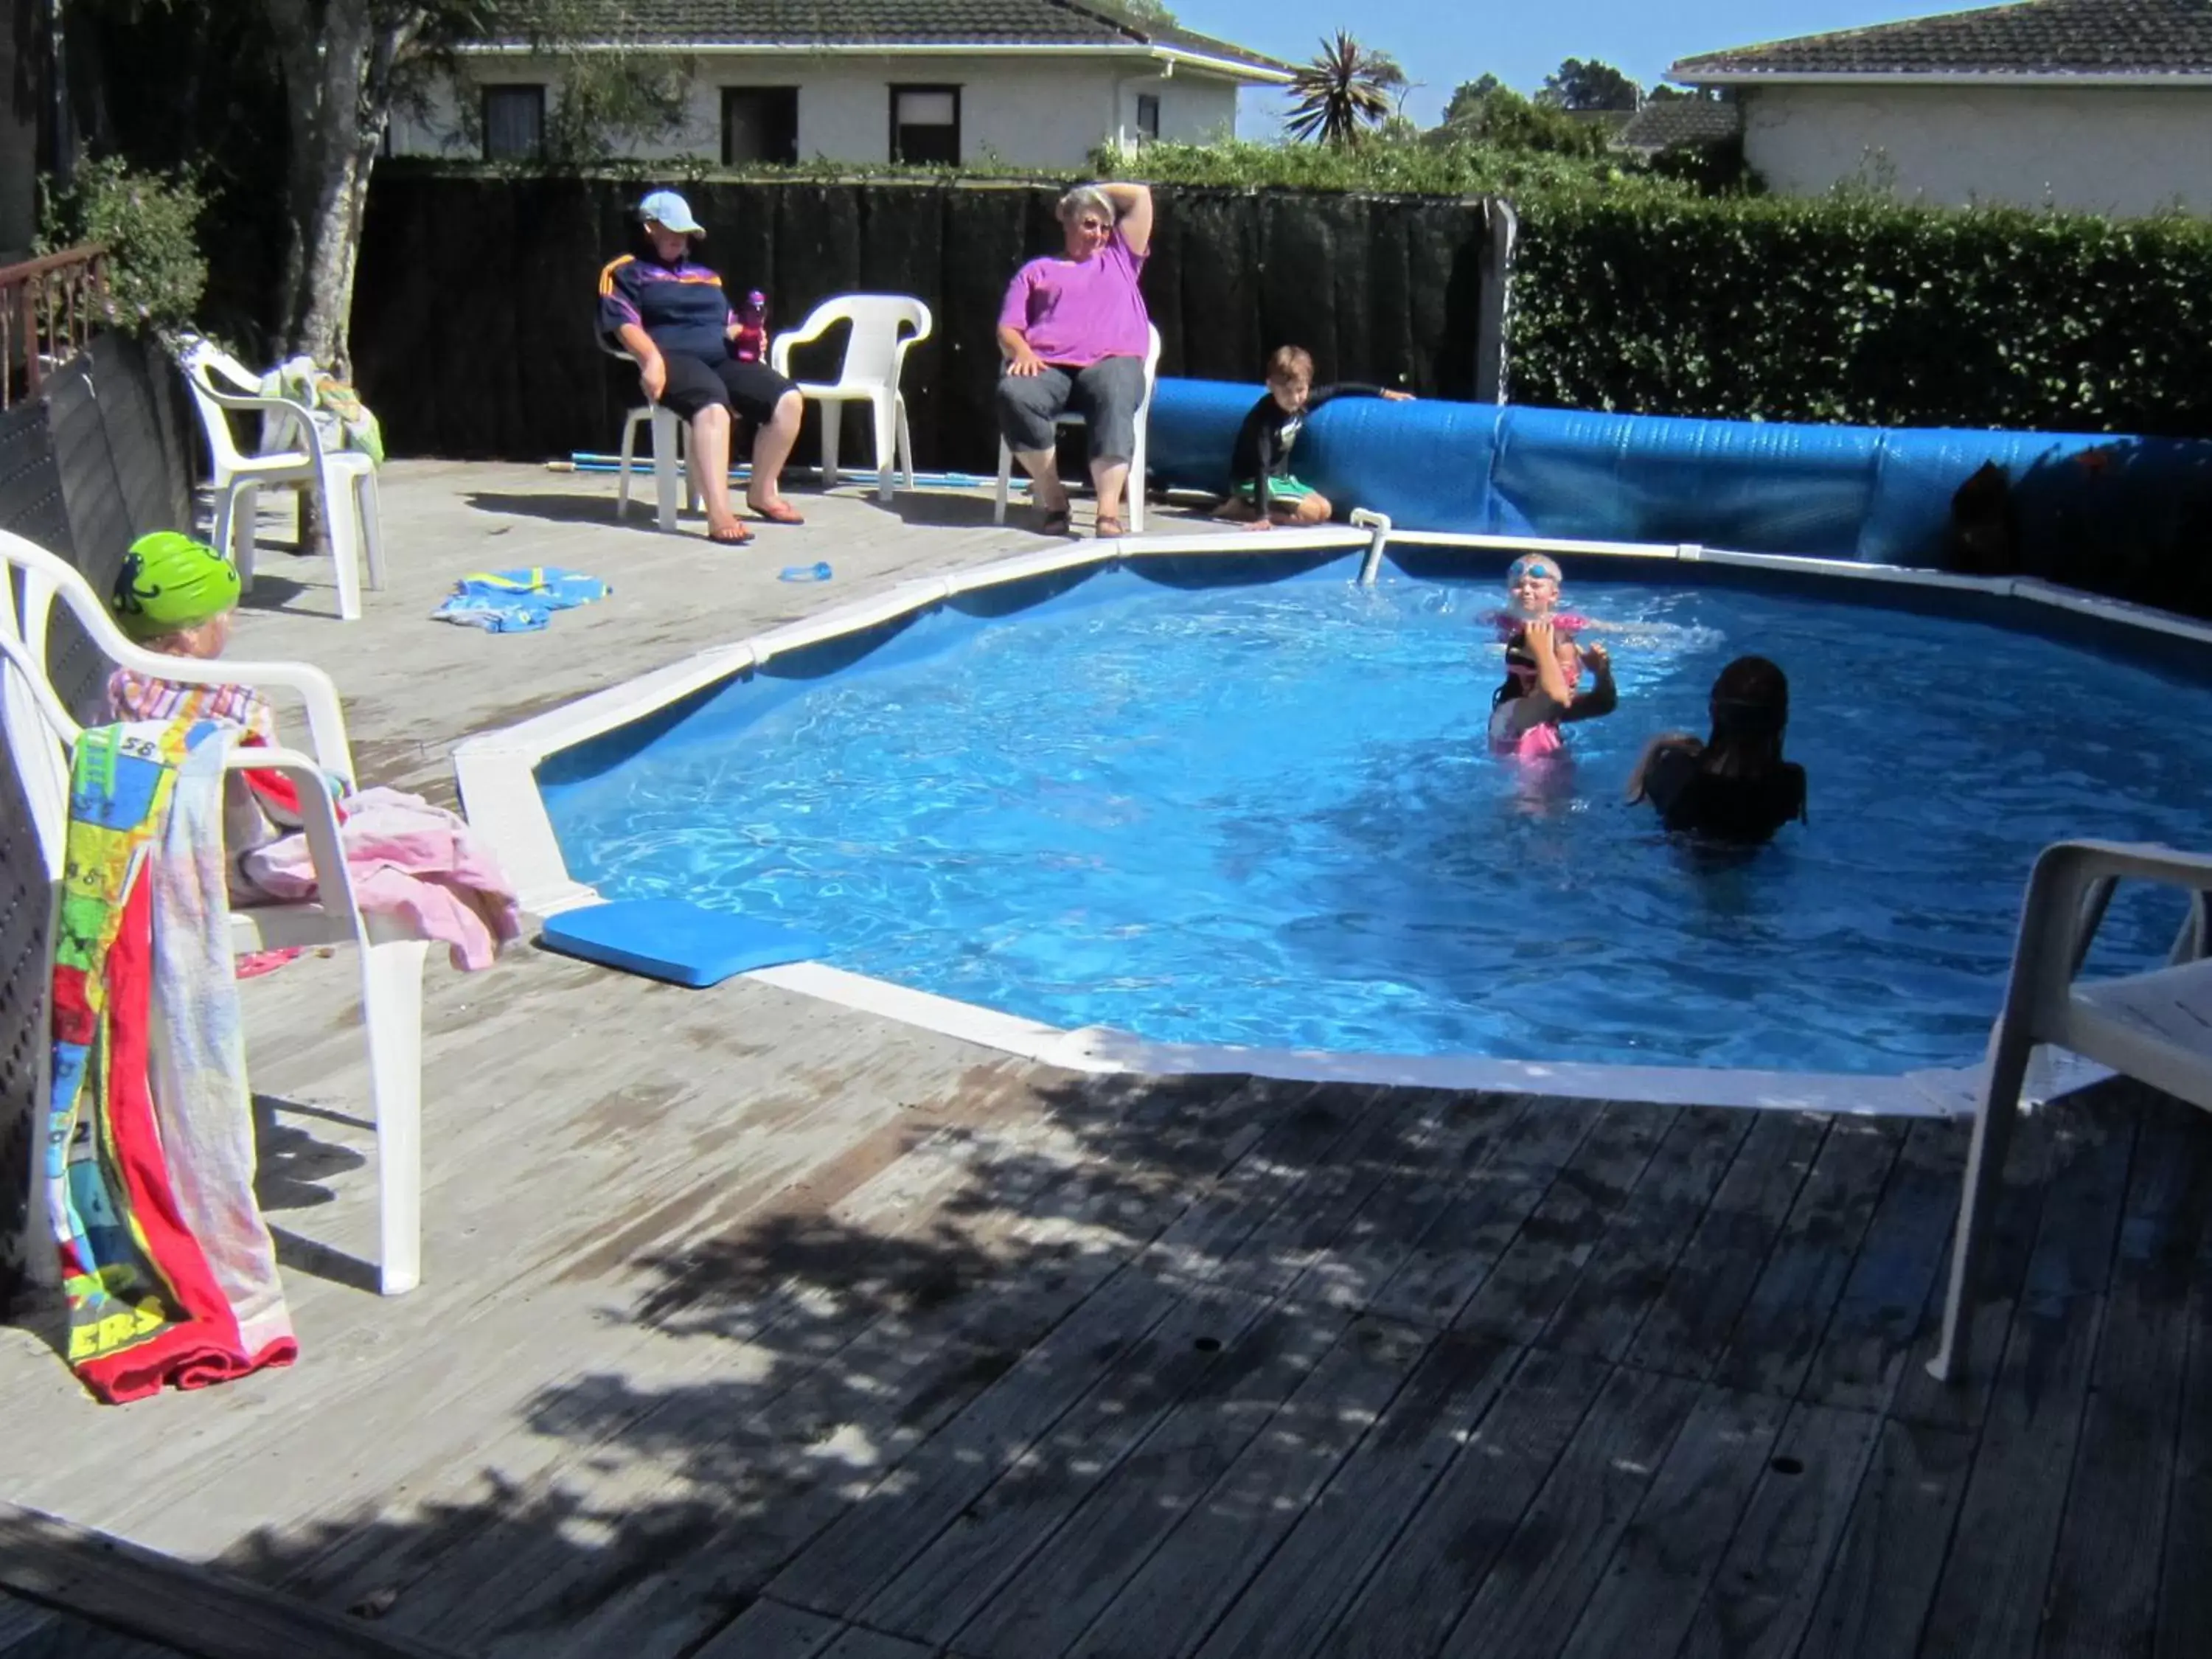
1106, 394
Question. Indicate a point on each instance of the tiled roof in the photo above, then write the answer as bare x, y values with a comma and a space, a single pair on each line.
890, 24
2041, 37
1672, 121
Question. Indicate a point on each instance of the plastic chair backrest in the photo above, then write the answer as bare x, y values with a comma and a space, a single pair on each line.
885, 327
202, 361
40, 729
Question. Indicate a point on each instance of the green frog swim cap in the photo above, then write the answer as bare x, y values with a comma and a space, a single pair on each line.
170, 581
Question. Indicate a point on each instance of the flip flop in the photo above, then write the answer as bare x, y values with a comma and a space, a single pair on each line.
781, 512
738, 538
1103, 530
1053, 524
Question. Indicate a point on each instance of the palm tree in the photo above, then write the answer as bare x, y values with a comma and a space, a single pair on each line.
1344, 89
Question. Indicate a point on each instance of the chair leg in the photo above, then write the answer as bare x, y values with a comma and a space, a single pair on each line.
392, 1006
628, 459
240, 529
905, 443
372, 526
1005, 476
1132, 493
668, 465
886, 422
341, 518
1985, 1161
833, 433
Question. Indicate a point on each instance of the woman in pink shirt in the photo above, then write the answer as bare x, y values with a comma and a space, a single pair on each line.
1074, 332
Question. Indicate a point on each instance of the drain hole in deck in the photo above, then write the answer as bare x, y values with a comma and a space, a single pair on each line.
1785, 1466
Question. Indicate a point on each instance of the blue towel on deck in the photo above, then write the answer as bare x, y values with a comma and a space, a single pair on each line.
518, 601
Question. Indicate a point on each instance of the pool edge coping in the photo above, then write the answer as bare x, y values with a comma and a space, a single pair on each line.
496, 775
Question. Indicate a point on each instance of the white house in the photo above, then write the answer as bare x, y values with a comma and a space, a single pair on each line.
1033, 83
2096, 106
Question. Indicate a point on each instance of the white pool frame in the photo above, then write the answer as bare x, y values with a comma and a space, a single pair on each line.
497, 775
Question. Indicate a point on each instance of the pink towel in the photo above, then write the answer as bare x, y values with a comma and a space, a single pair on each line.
411, 860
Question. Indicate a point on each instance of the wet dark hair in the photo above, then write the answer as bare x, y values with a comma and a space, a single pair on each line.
1519, 657
1750, 709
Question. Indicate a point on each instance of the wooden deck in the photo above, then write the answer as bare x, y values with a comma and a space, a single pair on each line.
755, 1329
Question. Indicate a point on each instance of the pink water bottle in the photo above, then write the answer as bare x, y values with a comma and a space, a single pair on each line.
752, 329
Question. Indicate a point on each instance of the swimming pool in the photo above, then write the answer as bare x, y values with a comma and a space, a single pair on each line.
1263, 814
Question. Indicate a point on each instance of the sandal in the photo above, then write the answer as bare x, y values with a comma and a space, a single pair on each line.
1109, 526
781, 513
1053, 523
738, 536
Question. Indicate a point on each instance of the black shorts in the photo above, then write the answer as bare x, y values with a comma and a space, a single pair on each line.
753, 390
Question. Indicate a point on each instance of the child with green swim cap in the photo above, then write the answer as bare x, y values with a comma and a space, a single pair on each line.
175, 595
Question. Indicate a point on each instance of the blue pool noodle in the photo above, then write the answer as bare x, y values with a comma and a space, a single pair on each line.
1877, 494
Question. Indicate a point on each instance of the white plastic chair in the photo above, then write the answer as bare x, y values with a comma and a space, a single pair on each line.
672, 482
2155, 1025
340, 479
1134, 492
40, 736
875, 358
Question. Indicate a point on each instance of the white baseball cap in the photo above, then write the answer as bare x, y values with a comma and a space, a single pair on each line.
666, 207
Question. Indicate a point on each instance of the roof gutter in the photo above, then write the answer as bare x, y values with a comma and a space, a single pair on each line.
1171, 55
1696, 77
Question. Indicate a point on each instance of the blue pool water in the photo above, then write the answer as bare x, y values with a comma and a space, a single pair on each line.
1266, 815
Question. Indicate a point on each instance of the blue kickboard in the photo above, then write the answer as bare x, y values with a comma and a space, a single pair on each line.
675, 940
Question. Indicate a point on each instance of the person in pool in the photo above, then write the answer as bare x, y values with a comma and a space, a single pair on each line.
1735, 786
1532, 595
1542, 693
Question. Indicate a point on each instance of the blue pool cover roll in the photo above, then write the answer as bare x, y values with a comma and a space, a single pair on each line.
1873, 494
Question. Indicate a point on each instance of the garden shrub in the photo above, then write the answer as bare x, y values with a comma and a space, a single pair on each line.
1856, 309
149, 224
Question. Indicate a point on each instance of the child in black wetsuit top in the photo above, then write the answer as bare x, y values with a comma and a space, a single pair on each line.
1264, 491
1735, 787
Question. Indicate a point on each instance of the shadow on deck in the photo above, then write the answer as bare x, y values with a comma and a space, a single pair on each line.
1045, 1366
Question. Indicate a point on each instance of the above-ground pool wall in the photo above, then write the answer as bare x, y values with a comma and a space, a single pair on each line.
2130, 517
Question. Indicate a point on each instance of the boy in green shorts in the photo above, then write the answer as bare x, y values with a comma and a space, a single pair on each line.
1265, 492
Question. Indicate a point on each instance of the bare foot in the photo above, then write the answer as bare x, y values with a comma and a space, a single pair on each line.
725, 528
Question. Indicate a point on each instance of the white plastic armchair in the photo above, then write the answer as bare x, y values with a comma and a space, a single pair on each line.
342, 480
2155, 1025
885, 327
42, 735
1133, 492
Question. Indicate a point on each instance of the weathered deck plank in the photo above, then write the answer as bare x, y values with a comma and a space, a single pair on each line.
933, 1580
1205, 1563
1991, 1602
1558, 1554
2103, 1596
1759, 1603
1065, 1585
1671, 1547
1780, 1331
1443, 1552
1354, 1522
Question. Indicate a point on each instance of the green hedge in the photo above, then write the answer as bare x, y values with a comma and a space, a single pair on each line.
1848, 309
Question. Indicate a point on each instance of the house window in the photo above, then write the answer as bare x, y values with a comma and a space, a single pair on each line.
759, 124
925, 125
513, 123
1148, 116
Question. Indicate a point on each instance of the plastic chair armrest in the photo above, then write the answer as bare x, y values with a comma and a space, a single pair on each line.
2052, 942
318, 693
817, 326
318, 821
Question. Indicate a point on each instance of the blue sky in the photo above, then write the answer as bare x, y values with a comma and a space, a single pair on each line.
1444, 42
